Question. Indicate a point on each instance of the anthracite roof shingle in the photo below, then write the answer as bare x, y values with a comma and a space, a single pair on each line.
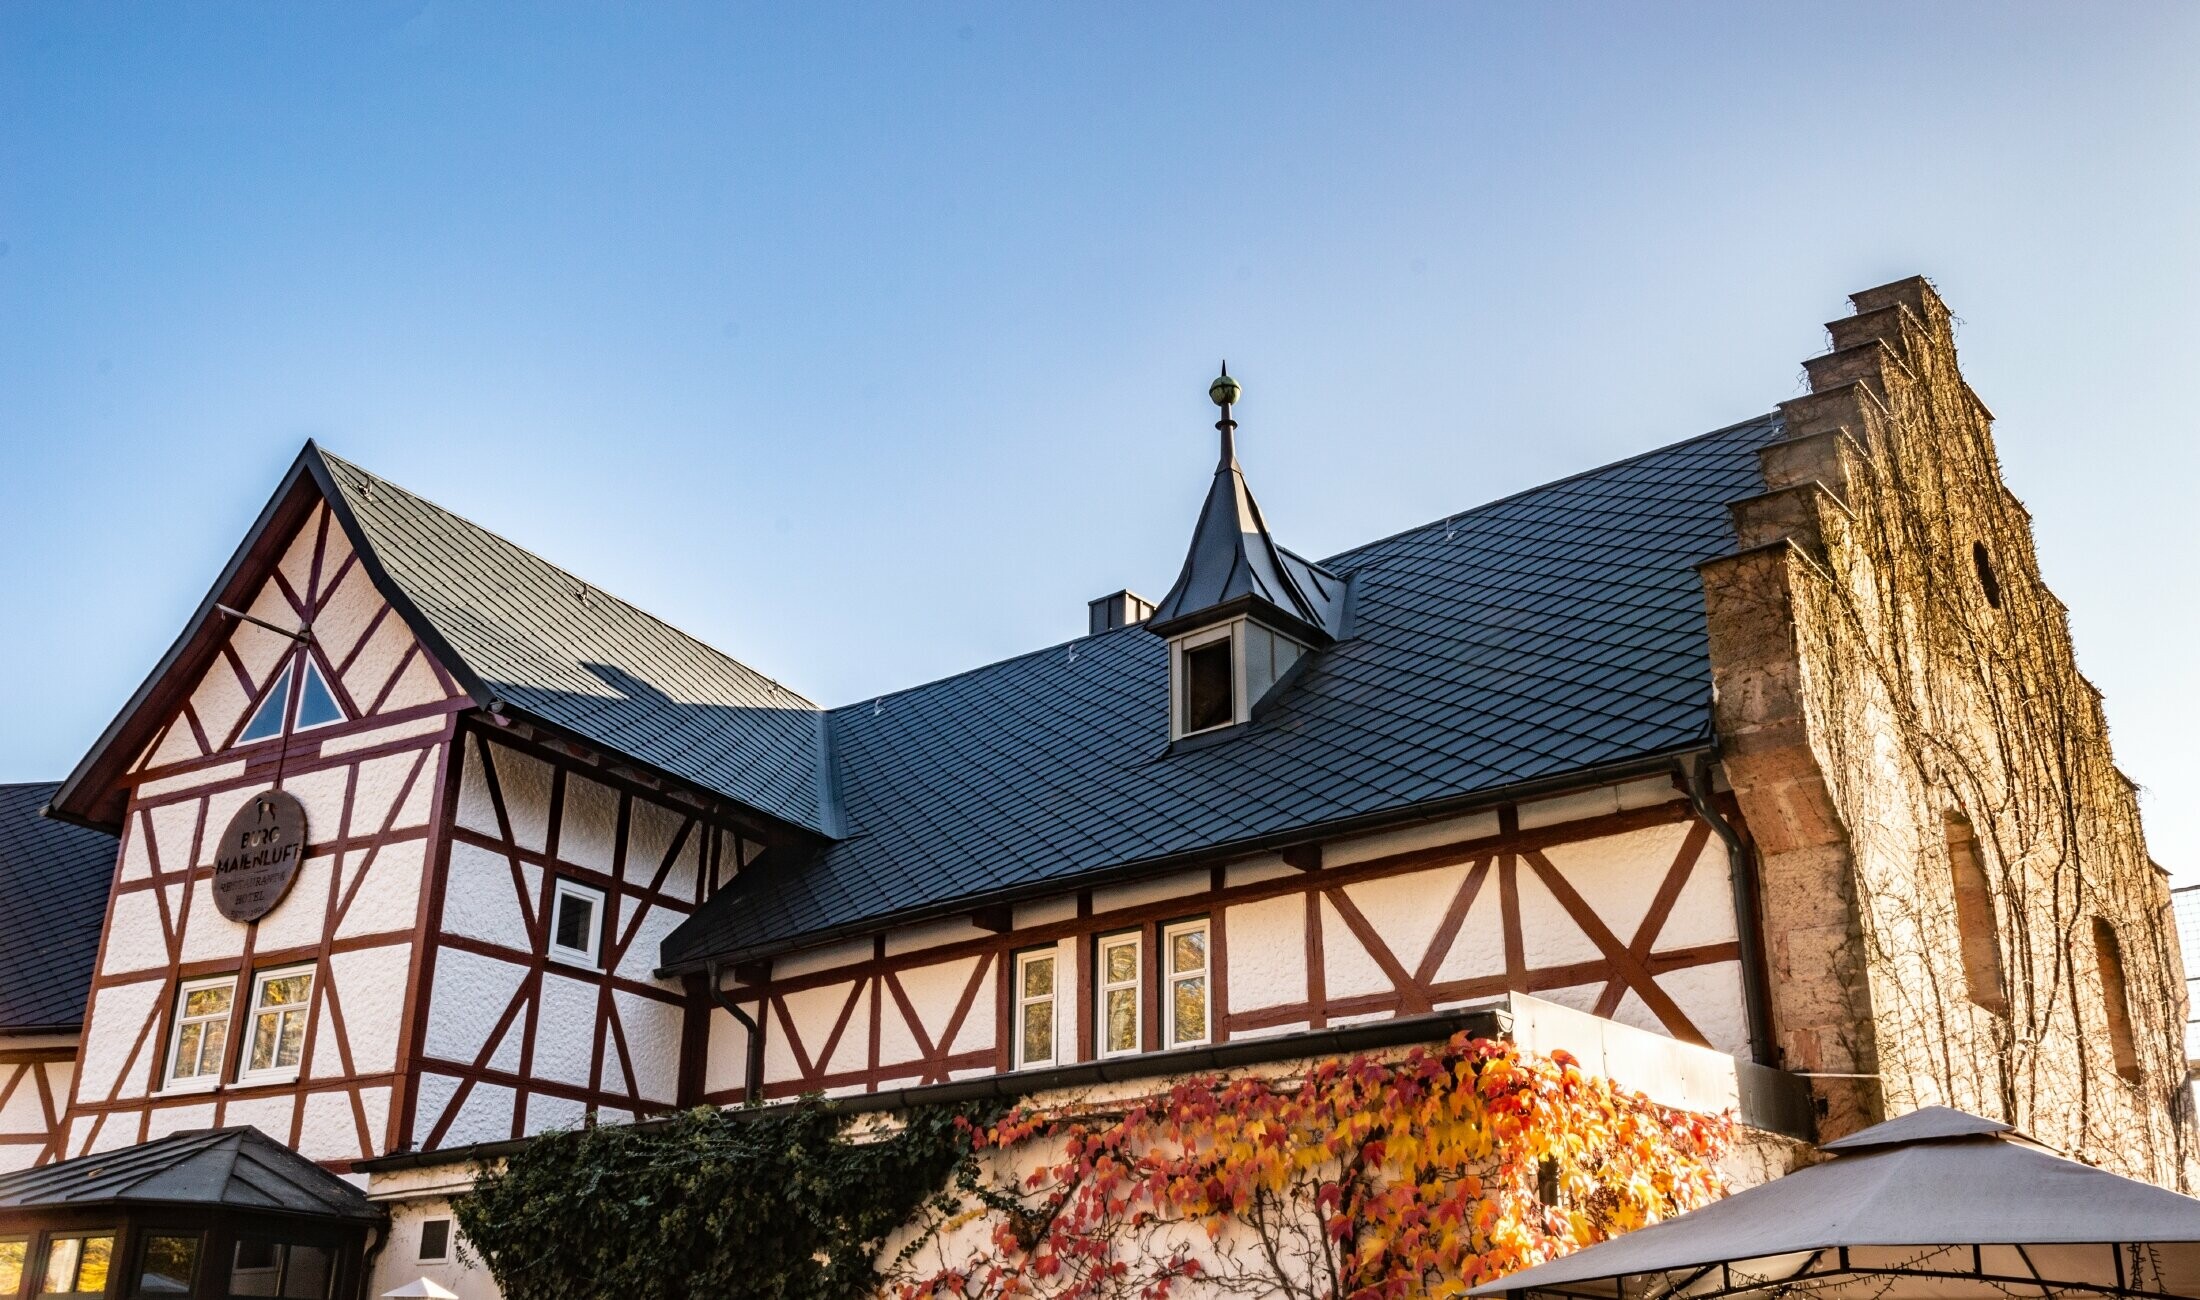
53, 900
1558, 630
554, 646
228, 1168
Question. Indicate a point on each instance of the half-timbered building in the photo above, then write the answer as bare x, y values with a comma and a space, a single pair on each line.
423, 845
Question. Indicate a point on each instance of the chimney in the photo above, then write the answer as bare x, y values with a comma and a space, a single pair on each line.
1118, 609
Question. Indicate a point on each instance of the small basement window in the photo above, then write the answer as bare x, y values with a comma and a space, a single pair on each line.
576, 923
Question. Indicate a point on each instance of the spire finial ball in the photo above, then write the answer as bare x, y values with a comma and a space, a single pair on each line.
1225, 390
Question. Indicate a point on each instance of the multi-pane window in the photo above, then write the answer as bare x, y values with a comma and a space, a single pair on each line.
77, 1265
576, 923
1035, 1002
280, 1002
1118, 993
1184, 1001
201, 1037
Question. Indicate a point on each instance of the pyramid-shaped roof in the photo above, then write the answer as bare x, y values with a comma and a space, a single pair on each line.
233, 1168
1235, 566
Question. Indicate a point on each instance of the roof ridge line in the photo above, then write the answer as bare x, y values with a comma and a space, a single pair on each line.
1556, 482
593, 587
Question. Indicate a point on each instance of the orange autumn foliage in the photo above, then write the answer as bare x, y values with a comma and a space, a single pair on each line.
1368, 1179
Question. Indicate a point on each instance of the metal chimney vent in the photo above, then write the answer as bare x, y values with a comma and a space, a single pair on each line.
1118, 609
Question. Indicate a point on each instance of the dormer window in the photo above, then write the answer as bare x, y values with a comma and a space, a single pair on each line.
1218, 674
1206, 682
1243, 609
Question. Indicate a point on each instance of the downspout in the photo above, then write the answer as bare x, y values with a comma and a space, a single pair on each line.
752, 1075
1741, 874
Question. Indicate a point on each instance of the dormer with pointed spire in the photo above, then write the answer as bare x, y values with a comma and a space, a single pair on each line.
1243, 609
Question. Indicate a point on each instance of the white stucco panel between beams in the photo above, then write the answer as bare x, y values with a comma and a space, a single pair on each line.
1405, 910
372, 982
135, 938
430, 1101
727, 1065
178, 1119
299, 920
933, 992
479, 899
1267, 961
1619, 875
485, 1116
524, 780
650, 830
588, 826
469, 995
109, 1033
23, 1113
416, 686
175, 832
270, 1115
545, 1112
345, 613
1704, 912
1549, 935
329, 1130
813, 1011
1712, 999
652, 1030
382, 779
388, 897
565, 1030
1348, 970
475, 811
370, 669
640, 962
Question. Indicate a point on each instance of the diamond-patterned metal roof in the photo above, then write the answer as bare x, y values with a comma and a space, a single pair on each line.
1551, 632
53, 901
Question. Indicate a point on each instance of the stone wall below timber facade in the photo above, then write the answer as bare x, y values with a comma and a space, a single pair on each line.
1928, 777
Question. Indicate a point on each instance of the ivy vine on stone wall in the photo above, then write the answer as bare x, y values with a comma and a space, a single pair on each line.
774, 1205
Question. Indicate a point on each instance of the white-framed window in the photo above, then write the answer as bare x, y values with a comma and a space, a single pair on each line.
576, 923
317, 706
1121, 1017
1037, 1026
1206, 677
200, 1041
1187, 1013
1217, 674
435, 1241
281, 1001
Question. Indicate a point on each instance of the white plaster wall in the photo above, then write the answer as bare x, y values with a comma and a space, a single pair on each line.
373, 985
470, 994
1267, 958
565, 1033
933, 992
110, 1032
1427, 835
399, 1262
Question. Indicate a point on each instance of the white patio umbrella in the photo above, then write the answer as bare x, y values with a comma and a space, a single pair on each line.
1936, 1205
421, 1289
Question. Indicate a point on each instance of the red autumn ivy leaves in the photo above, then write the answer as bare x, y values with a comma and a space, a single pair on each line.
1367, 1179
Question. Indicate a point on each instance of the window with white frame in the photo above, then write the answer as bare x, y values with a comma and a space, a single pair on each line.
1036, 1023
1206, 682
200, 1040
435, 1241
1120, 1014
1185, 1011
281, 1000
576, 923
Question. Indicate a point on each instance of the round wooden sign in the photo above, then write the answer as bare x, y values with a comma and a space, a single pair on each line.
258, 856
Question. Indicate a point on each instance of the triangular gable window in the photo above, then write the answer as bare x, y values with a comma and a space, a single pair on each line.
317, 706
267, 720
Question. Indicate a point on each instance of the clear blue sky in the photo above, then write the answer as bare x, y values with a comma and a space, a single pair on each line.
867, 343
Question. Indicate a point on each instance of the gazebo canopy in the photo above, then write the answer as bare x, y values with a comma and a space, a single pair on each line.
1936, 1205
